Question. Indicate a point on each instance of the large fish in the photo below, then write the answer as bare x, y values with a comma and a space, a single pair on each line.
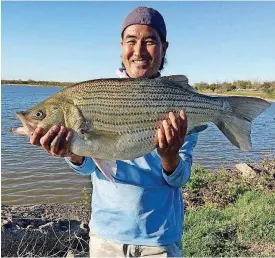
117, 119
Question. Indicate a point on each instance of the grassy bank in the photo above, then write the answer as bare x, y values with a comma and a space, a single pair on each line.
230, 215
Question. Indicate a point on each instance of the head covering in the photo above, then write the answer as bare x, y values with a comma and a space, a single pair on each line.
147, 16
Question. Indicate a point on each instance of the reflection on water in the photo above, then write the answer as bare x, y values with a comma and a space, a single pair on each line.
30, 175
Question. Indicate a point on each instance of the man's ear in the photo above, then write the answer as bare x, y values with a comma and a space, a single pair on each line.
164, 47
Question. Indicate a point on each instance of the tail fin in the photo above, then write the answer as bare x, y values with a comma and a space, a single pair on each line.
236, 124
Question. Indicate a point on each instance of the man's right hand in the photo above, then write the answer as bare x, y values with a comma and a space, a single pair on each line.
56, 142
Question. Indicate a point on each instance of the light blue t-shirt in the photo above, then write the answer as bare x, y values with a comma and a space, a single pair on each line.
144, 206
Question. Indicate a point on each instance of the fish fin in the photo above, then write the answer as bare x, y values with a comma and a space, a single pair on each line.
236, 124
97, 134
107, 167
181, 80
248, 108
197, 129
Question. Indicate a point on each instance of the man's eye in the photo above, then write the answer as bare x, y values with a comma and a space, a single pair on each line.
150, 42
131, 42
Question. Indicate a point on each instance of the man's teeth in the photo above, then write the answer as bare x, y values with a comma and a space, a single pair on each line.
140, 62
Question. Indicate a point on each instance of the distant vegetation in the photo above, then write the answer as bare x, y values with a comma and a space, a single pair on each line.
247, 88
40, 83
238, 87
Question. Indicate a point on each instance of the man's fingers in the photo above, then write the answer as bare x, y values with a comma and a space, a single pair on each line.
58, 142
183, 125
168, 133
46, 140
175, 126
64, 144
174, 121
161, 138
67, 143
35, 137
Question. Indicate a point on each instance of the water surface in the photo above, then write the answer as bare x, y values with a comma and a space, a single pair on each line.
31, 176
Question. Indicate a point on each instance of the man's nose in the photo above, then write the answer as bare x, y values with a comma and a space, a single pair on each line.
140, 49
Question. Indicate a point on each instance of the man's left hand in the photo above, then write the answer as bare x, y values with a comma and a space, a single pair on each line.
170, 139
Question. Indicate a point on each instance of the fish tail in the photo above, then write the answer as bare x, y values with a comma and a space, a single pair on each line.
236, 120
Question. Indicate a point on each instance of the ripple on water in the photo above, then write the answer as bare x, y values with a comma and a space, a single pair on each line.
30, 175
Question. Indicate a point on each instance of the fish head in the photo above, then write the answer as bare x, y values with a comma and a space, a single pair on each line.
44, 115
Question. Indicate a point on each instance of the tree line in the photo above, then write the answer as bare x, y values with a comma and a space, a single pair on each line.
267, 87
219, 87
40, 83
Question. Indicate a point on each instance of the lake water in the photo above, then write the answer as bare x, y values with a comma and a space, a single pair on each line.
29, 175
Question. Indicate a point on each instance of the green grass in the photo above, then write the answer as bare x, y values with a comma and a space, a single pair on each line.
255, 214
242, 224
209, 232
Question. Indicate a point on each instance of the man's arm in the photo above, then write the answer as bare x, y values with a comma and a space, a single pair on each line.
176, 161
86, 168
180, 176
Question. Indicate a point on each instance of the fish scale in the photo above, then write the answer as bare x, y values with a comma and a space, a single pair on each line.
118, 118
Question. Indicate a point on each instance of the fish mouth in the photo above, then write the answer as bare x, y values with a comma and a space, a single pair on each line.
18, 131
27, 129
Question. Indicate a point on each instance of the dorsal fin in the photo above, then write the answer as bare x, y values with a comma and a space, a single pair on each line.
181, 80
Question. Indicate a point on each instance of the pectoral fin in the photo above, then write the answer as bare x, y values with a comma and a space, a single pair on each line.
197, 129
107, 167
97, 134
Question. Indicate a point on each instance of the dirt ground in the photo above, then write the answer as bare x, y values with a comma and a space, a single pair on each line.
44, 230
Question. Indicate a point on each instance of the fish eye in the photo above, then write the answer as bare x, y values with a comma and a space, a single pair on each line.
39, 114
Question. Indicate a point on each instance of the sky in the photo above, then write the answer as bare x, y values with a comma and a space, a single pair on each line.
77, 41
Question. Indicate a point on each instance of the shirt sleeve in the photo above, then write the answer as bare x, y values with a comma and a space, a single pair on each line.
86, 168
182, 173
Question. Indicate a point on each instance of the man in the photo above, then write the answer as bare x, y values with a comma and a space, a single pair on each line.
143, 213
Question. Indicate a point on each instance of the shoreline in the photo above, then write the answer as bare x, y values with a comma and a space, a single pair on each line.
33, 85
206, 92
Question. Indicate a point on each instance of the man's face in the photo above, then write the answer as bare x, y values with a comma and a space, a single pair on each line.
142, 51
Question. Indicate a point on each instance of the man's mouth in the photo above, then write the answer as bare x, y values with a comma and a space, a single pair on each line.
141, 62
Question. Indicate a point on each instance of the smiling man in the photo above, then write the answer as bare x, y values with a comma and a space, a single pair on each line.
143, 49
142, 215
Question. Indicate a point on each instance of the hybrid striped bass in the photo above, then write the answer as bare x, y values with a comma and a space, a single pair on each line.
117, 119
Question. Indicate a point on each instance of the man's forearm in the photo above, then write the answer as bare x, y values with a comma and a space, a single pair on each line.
170, 164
